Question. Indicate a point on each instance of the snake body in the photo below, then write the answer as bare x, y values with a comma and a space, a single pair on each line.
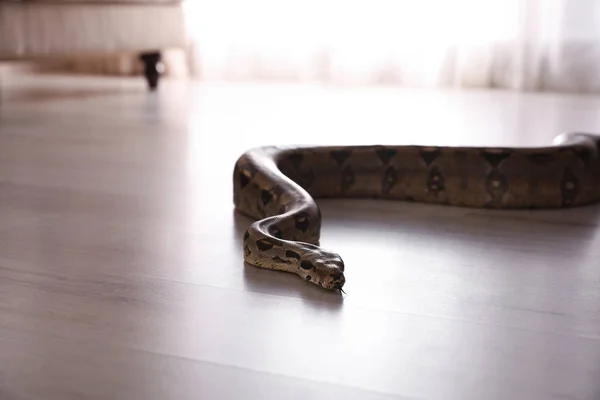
276, 186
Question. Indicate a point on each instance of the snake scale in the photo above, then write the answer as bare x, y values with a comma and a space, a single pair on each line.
276, 187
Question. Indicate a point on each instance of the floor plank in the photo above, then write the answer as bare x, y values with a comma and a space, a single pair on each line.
121, 272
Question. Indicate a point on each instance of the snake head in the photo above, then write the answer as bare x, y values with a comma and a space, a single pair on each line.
323, 268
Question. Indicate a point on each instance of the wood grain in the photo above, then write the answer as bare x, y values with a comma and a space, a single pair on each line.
121, 273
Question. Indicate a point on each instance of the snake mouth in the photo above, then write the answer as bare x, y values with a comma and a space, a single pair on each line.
338, 283
338, 280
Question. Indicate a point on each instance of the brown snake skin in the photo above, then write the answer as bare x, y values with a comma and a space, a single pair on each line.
276, 186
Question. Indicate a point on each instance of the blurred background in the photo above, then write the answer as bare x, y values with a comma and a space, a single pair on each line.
513, 44
529, 45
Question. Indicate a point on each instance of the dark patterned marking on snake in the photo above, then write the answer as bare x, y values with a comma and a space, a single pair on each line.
389, 179
247, 173
429, 154
306, 265
244, 179
461, 160
540, 158
246, 235
266, 196
281, 260
276, 232
569, 187
301, 222
265, 244
340, 156
296, 160
436, 182
385, 154
499, 178
348, 179
308, 179
585, 155
277, 191
495, 157
292, 254
496, 185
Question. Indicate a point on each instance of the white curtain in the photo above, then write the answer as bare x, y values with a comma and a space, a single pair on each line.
513, 44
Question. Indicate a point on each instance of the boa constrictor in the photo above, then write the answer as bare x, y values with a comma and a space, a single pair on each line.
276, 186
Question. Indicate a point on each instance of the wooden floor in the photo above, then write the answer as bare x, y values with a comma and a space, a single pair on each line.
121, 273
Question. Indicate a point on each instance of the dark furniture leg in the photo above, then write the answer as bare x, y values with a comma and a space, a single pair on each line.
151, 68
